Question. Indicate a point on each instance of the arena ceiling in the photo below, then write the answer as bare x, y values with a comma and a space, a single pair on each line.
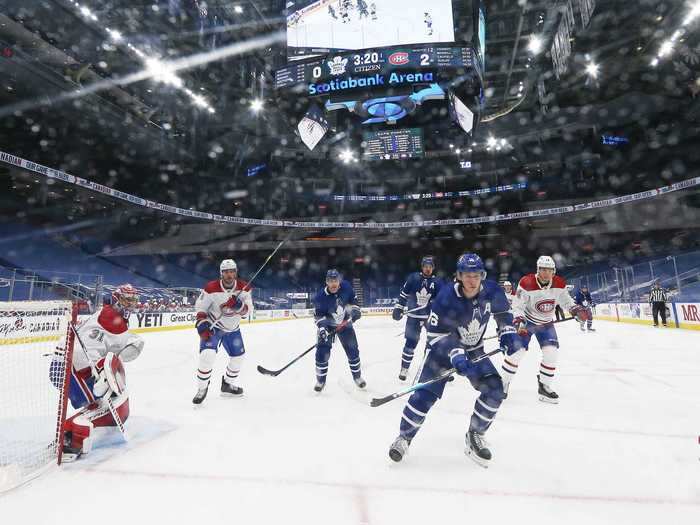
189, 145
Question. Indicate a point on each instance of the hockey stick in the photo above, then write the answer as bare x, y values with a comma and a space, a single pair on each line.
216, 322
95, 375
275, 373
379, 401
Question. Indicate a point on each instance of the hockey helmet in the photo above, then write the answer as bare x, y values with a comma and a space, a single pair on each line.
471, 262
545, 261
227, 264
333, 275
125, 297
428, 260
507, 285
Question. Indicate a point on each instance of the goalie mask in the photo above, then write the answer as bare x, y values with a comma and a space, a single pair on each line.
125, 298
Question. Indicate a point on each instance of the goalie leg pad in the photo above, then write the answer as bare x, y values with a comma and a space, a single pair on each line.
101, 417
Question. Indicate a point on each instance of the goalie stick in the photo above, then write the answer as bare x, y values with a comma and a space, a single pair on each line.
95, 375
275, 373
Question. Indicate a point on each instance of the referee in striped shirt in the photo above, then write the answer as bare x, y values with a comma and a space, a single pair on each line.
658, 298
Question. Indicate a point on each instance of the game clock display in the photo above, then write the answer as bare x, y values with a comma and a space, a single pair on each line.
379, 61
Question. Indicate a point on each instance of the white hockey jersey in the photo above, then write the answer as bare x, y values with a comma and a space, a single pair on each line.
105, 331
216, 303
536, 303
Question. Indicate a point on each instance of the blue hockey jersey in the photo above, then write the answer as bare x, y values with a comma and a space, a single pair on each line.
330, 307
418, 291
458, 322
583, 298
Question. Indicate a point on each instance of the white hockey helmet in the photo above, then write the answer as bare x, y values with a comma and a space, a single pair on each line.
545, 261
227, 264
507, 283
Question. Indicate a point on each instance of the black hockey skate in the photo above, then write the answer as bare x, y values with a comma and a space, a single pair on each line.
591, 329
319, 386
547, 395
476, 449
230, 390
399, 448
361, 383
403, 374
200, 395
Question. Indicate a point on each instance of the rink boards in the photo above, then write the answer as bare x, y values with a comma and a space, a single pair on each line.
682, 315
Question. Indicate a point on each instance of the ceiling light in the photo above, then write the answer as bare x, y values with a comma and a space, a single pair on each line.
238, 9
116, 35
161, 72
536, 44
666, 48
458, 151
655, 62
592, 69
256, 105
491, 142
346, 156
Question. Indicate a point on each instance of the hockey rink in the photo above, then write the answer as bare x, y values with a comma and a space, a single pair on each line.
621, 447
397, 21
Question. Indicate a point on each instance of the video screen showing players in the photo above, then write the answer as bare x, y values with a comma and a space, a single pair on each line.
320, 26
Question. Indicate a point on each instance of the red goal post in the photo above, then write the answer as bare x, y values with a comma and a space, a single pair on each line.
36, 349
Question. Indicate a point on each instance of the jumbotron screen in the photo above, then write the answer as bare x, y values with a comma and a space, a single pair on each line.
395, 144
317, 27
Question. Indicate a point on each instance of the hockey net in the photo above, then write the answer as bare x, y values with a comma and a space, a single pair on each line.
36, 346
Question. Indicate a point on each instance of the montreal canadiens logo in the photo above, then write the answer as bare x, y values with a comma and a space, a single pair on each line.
399, 58
546, 306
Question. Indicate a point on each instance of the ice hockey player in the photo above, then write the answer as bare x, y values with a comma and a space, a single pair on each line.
362, 9
332, 12
220, 308
583, 299
335, 312
428, 20
373, 10
414, 300
459, 317
508, 289
108, 343
533, 308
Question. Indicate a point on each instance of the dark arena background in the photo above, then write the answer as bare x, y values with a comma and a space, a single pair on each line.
143, 142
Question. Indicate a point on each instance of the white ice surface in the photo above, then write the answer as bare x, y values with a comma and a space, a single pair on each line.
622, 447
399, 22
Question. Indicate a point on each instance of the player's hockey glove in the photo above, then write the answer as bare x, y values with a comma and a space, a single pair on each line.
352, 312
509, 340
460, 361
397, 314
204, 329
325, 335
520, 325
235, 303
580, 313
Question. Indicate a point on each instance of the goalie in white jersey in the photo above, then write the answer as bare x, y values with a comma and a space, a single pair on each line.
220, 308
107, 343
533, 310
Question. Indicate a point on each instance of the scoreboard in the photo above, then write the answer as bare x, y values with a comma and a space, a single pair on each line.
378, 61
396, 144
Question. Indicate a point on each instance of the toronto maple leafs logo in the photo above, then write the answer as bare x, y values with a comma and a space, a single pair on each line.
339, 314
471, 334
422, 297
337, 66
